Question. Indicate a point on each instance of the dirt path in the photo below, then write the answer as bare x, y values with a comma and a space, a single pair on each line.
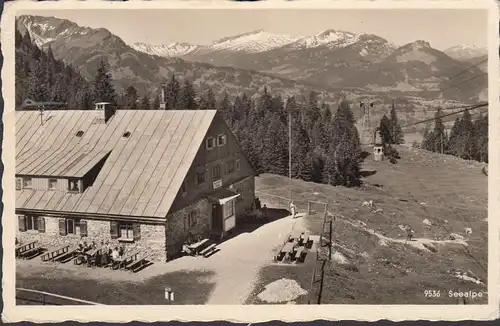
238, 263
415, 242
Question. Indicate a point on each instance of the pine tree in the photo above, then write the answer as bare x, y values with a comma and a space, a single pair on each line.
385, 132
275, 149
224, 106
104, 90
156, 103
145, 104
396, 131
454, 140
208, 101
187, 97
172, 93
466, 139
37, 83
439, 133
131, 98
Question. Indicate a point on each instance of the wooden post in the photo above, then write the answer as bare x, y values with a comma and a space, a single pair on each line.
330, 239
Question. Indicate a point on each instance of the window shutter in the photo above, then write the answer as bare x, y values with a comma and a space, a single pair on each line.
62, 226
41, 224
136, 228
83, 228
22, 223
113, 229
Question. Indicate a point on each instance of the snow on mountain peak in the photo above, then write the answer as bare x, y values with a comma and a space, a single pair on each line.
252, 42
329, 37
466, 51
175, 49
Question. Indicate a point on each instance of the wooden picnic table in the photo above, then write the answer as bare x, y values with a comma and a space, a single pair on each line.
122, 260
196, 246
25, 247
55, 253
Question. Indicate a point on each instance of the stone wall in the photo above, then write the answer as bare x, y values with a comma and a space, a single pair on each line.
152, 238
177, 226
244, 203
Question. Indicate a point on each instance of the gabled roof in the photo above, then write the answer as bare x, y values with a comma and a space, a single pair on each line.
140, 177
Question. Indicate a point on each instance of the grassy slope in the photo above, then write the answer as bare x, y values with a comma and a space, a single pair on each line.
453, 190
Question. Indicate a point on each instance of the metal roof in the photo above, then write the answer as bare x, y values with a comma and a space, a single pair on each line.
142, 174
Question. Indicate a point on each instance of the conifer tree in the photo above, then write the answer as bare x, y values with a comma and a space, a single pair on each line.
145, 104
156, 103
131, 98
439, 133
208, 101
104, 90
384, 129
275, 149
187, 97
396, 131
172, 93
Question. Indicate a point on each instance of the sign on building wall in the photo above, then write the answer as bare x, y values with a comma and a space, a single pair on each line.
217, 184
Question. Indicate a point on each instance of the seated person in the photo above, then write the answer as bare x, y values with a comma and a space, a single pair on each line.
186, 249
121, 251
115, 254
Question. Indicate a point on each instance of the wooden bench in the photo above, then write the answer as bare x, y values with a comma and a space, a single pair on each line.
300, 254
195, 247
122, 262
50, 255
137, 264
67, 256
287, 249
304, 239
25, 247
208, 249
31, 253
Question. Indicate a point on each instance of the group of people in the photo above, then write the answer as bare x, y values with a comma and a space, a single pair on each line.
103, 257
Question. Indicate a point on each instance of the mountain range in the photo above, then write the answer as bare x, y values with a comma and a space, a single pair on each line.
333, 63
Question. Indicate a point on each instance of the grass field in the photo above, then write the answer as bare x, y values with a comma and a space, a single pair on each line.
372, 264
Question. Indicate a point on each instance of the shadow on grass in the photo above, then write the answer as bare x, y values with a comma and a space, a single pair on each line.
188, 288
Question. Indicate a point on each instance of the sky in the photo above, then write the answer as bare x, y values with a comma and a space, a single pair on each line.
442, 28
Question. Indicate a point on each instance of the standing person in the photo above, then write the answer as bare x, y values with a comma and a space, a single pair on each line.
293, 209
264, 211
409, 233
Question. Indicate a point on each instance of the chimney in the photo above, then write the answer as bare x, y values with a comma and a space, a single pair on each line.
107, 111
163, 104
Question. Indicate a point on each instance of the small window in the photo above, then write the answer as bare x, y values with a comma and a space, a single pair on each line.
27, 183
126, 134
191, 218
73, 185
228, 208
200, 177
221, 140
210, 143
184, 188
32, 223
19, 183
70, 226
216, 172
230, 167
52, 184
237, 164
126, 231
79, 133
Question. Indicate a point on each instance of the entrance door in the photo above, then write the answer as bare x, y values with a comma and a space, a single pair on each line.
216, 218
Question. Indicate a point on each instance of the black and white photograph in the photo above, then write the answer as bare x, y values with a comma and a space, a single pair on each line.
250, 157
